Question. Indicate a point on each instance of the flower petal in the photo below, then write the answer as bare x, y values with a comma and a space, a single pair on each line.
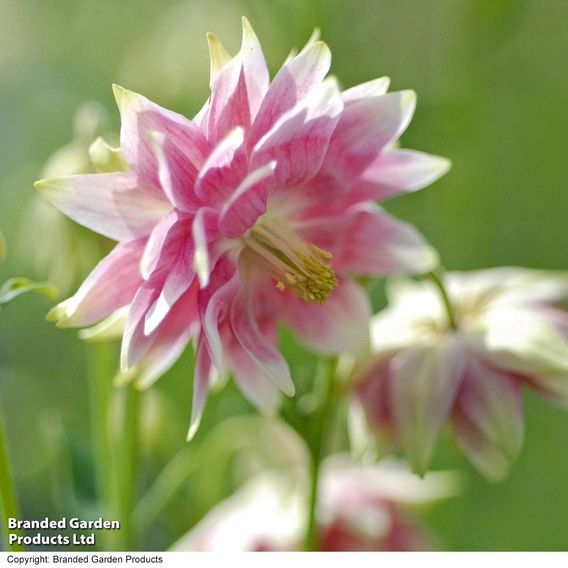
397, 171
522, 340
248, 202
299, 139
372, 88
140, 116
105, 158
156, 242
111, 285
134, 342
201, 374
176, 173
366, 240
112, 204
491, 403
255, 68
112, 327
424, 385
169, 339
204, 230
258, 387
366, 127
339, 325
213, 304
258, 348
180, 276
238, 88
292, 83
223, 170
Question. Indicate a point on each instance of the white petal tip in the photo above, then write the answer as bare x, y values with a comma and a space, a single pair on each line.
194, 426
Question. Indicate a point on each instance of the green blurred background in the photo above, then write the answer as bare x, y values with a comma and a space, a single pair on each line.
492, 95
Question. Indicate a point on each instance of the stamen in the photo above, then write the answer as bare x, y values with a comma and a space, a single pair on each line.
302, 267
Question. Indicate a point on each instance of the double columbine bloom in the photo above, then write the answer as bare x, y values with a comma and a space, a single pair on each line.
258, 210
505, 329
361, 507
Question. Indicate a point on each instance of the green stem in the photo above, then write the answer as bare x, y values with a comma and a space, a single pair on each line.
100, 366
445, 299
322, 417
7, 490
168, 482
128, 460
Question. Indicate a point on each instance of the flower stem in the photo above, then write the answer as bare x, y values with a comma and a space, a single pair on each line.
445, 299
128, 465
8, 499
322, 417
99, 361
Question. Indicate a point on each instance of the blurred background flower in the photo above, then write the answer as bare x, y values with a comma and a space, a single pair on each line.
491, 92
361, 507
462, 355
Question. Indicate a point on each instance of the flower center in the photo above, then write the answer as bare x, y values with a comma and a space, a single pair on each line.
293, 263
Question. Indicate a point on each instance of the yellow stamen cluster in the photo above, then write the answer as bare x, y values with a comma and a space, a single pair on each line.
314, 278
302, 267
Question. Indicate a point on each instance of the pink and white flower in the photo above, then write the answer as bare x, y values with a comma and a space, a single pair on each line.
361, 507
258, 210
509, 332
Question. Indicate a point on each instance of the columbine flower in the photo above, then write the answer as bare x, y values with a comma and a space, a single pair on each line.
361, 508
256, 210
508, 332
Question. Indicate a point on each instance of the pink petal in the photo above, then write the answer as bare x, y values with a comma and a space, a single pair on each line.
223, 170
366, 127
112, 204
490, 421
134, 342
229, 106
139, 116
176, 173
254, 67
299, 139
258, 387
366, 240
238, 88
339, 325
424, 385
246, 329
292, 83
398, 171
373, 392
200, 386
213, 305
170, 339
248, 202
160, 235
111, 285
180, 275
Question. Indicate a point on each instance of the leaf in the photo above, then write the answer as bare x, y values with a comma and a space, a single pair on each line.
15, 287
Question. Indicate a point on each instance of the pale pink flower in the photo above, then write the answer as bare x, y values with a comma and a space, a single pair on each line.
424, 374
361, 507
256, 211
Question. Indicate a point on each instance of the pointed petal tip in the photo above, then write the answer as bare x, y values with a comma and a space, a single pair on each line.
119, 93
122, 95
193, 427
55, 313
247, 28
218, 54
408, 99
